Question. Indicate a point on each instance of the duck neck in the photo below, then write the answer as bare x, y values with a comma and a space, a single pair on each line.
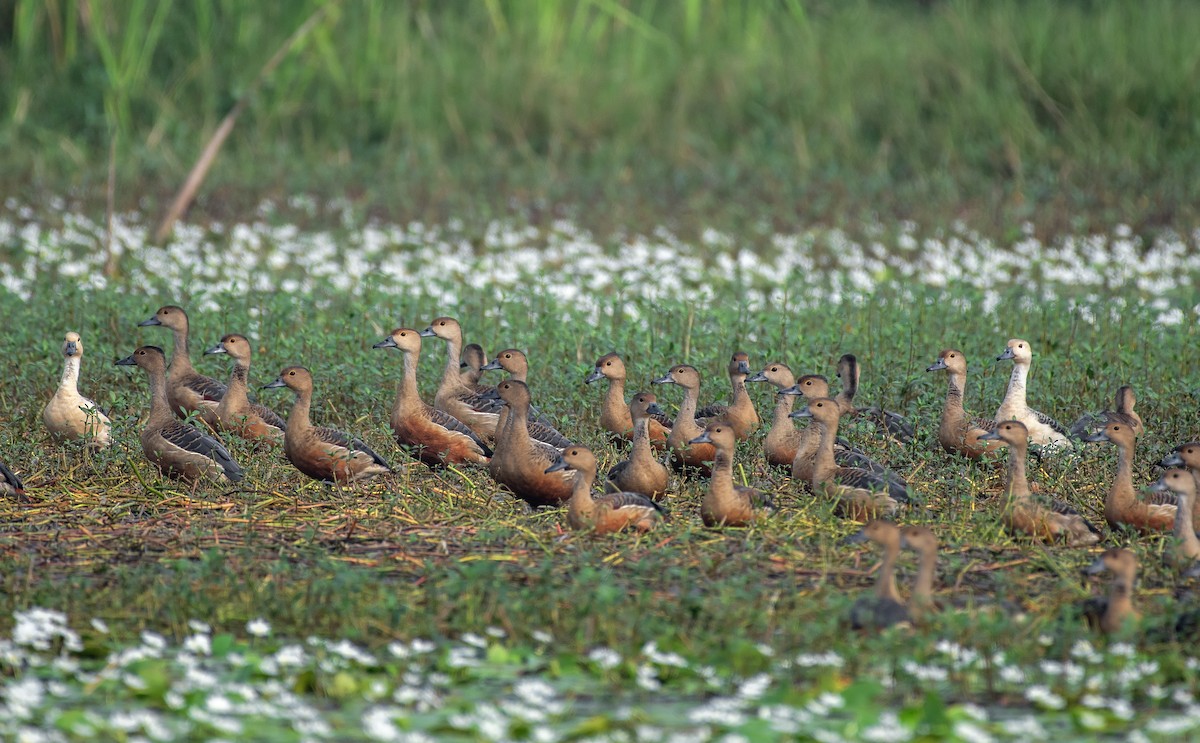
1016, 385
1185, 531
845, 398
1122, 489
825, 465
687, 408
614, 398
582, 502
721, 482
953, 415
885, 587
181, 360
1120, 600
70, 375
923, 587
642, 452
298, 420
1018, 485
782, 419
160, 407
235, 393
516, 428
406, 390
451, 378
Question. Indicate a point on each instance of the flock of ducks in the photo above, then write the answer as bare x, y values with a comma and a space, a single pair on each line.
498, 427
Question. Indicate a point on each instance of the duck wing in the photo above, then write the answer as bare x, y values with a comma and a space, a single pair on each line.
11, 478
192, 439
630, 500
547, 435
1060, 506
335, 437
206, 387
712, 411
665, 420
893, 424
1046, 420
270, 417
890, 483
450, 423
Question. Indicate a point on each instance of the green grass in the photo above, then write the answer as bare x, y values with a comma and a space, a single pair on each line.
996, 112
428, 555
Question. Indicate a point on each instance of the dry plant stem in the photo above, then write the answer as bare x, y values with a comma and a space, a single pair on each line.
209, 155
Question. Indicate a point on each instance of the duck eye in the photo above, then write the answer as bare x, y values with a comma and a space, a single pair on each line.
608, 363
774, 368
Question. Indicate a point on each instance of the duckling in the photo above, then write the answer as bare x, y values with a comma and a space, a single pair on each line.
187, 390
921, 539
10, 484
69, 415
176, 448
885, 608
814, 386
324, 454
892, 424
603, 514
783, 439
1109, 615
470, 369
1181, 483
614, 413
519, 462
1043, 429
1123, 402
958, 433
235, 412
641, 473
859, 493
726, 504
433, 436
453, 396
516, 363
1122, 506
740, 412
1041, 517
685, 456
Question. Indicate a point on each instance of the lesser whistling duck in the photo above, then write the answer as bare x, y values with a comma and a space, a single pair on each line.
453, 395
322, 453
892, 424
69, 415
614, 413
516, 363
470, 369
812, 387
177, 448
10, 484
884, 608
860, 494
921, 539
1109, 615
1043, 429
187, 390
685, 456
1187, 456
740, 412
1122, 506
1181, 483
519, 462
1039, 516
783, 439
603, 514
1123, 403
235, 412
433, 436
641, 473
958, 433
727, 504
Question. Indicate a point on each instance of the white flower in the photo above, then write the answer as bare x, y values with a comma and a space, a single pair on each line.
606, 658
258, 627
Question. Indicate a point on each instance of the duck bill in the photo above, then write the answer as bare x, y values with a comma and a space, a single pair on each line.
701, 439
936, 366
1095, 438
427, 333
150, 322
793, 390
71, 348
664, 379
274, 385
388, 342
558, 466
492, 365
127, 361
219, 348
1096, 568
989, 436
1158, 486
1008, 354
743, 367
1172, 460
759, 377
595, 376
654, 409
803, 412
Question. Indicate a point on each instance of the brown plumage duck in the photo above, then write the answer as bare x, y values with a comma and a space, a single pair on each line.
1041, 517
727, 504
433, 436
1182, 485
812, 387
10, 484
69, 416
641, 473
740, 412
519, 462
470, 369
453, 395
1043, 429
603, 514
515, 362
177, 448
921, 539
1123, 412
1187, 456
859, 493
235, 412
1110, 615
884, 608
324, 454
614, 413
959, 433
187, 390
783, 439
892, 424
1122, 507
687, 457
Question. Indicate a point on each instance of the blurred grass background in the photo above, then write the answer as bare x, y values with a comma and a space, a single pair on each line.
648, 111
